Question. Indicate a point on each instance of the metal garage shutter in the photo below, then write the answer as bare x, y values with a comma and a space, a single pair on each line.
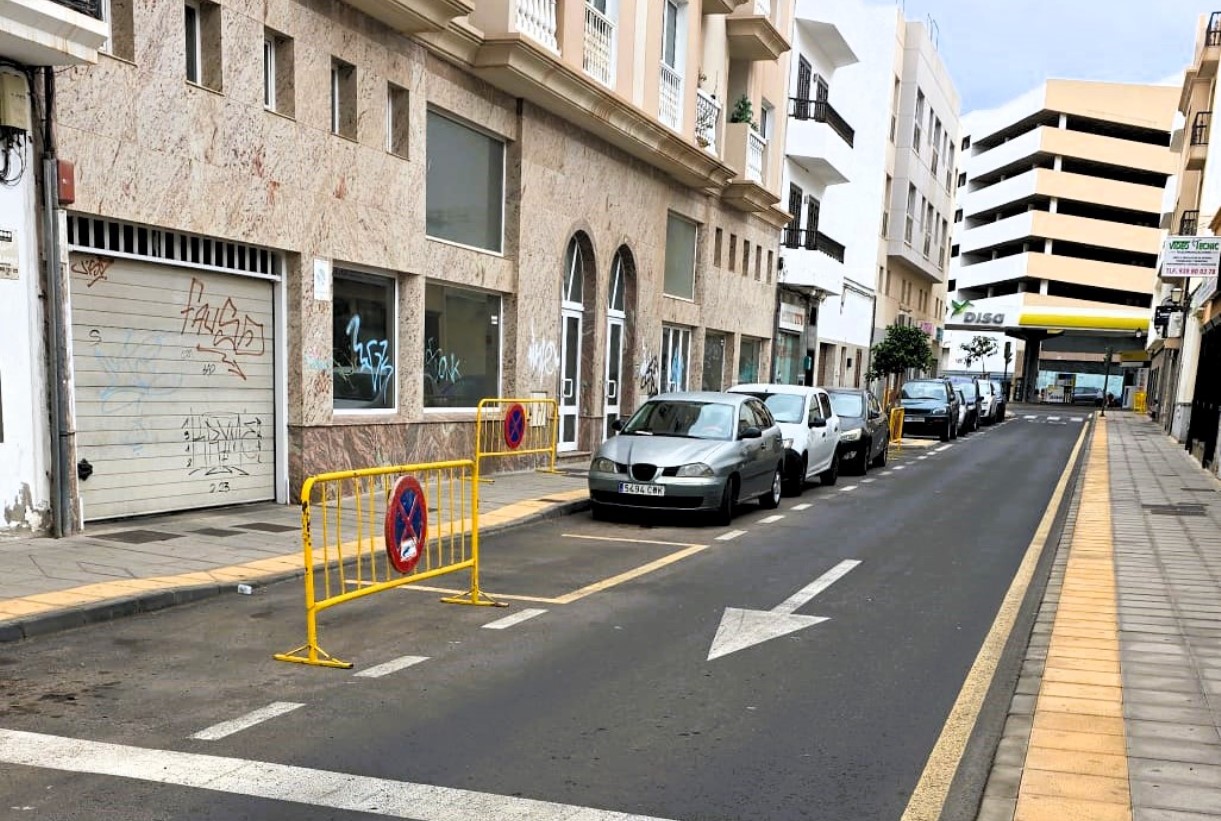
175, 386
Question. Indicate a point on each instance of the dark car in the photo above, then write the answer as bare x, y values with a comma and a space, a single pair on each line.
1002, 404
969, 385
1087, 396
930, 407
864, 431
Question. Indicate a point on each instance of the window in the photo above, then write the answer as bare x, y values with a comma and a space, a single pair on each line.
675, 357
680, 258
670, 35
733, 252
121, 41
203, 52
962, 179
887, 282
343, 99
398, 124
894, 110
917, 134
464, 186
958, 215
953, 250
767, 116
949, 167
461, 346
910, 226
363, 345
966, 142
748, 359
936, 144
745, 257
771, 261
716, 248
758, 262
714, 361
886, 206
277, 73
928, 228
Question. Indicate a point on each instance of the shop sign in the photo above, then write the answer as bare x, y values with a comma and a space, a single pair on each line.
1190, 256
792, 318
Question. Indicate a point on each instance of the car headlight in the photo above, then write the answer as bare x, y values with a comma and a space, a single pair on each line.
850, 435
938, 412
695, 469
603, 465
788, 443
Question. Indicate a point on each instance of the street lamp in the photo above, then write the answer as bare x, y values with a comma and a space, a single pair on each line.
1106, 377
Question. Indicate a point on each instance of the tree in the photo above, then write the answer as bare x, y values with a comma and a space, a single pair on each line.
978, 350
905, 347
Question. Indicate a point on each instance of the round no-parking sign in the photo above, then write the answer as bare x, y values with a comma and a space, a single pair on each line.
515, 425
406, 525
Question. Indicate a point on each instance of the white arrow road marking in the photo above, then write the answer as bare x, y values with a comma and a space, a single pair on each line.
730, 536
392, 666
741, 628
281, 782
227, 728
516, 618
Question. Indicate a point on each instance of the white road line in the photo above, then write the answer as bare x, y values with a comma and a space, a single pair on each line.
775, 517
280, 782
803, 506
1030, 417
900, 467
516, 618
1076, 418
392, 666
1053, 419
730, 536
887, 472
868, 481
847, 489
227, 728
942, 448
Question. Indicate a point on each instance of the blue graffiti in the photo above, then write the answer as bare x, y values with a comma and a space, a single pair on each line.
372, 357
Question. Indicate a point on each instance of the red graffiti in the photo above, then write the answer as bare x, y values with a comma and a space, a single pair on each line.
92, 268
227, 334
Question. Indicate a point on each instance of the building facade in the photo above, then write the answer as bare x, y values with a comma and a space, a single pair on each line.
1058, 231
313, 236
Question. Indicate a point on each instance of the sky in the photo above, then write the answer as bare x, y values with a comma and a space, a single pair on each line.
998, 49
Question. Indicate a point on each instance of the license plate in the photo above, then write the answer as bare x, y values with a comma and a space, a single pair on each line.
913, 418
642, 490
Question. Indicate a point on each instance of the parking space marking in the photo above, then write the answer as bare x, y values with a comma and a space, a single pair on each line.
450, 591
392, 666
847, 489
1053, 419
1030, 417
643, 570
228, 728
515, 618
775, 517
595, 538
888, 472
942, 448
900, 467
868, 481
730, 536
803, 506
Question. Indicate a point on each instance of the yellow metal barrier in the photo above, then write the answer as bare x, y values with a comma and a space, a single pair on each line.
358, 511
1140, 402
507, 428
897, 416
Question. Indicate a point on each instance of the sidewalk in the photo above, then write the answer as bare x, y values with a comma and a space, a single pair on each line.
1117, 714
119, 568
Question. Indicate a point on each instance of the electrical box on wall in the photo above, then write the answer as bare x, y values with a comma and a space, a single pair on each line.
14, 101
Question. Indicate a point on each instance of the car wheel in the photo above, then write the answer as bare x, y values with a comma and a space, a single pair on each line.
599, 511
861, 467
945, 434
796, 483
831, 475
880, 460
771, 499
724, 513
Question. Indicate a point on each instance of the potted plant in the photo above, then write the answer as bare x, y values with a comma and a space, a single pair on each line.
743, 111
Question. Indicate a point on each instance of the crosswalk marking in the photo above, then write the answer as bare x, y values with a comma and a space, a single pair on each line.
516, 618
228, 728
389, 667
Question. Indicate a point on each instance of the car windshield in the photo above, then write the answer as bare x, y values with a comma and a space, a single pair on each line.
786, 407
683, 418
967, 386
923, 390
847, 404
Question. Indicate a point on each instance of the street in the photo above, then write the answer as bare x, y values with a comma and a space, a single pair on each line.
615, 681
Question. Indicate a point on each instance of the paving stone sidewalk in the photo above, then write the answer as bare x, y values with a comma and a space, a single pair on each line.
1144, 745
119, 568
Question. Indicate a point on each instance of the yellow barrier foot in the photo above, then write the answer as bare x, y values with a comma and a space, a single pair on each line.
476, 599
317, 658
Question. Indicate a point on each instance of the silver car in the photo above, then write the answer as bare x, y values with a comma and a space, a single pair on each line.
690, 451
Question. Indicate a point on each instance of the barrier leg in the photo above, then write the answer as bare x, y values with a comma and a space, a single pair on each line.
475, 596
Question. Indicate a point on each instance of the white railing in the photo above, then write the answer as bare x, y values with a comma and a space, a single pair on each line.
763, 7
537, 20
756, 145
707, 120
670, 109
599, 58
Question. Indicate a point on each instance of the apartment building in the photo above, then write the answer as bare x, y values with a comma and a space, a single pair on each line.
1057, 231
870, 246
313, 236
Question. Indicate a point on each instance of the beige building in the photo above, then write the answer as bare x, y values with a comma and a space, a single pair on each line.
309, 236
1058, 231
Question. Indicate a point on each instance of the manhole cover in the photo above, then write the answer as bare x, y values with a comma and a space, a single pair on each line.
1180, 509
138, 536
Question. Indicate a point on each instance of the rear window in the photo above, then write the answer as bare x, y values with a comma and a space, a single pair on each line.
924, 390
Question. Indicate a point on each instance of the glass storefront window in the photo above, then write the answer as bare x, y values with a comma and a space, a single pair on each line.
748, 360
788, 358
675, 358
363, 342
714, 361
464, 187
461, 346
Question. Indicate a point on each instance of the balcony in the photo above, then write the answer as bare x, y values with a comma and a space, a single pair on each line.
752, 35
537, 20
1210, 49
811, 259
670, 97
707, 121
819, 140
746, 150
598, 58
414, 16
42, 33
1197, 149
1188, 223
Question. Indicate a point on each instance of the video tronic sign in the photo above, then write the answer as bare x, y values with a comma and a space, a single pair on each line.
960, 311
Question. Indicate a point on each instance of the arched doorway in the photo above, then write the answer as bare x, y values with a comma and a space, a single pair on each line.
572, 316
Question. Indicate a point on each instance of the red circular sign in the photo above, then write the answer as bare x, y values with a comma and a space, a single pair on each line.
406, 525
515, 425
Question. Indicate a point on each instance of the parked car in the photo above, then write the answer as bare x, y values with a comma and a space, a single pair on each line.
1087, 396
930, 406
690, 451
864, 430
962, 411
1002, 403
973, 396
987, 403
810, 428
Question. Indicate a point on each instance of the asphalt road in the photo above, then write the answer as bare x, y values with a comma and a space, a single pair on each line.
606, 700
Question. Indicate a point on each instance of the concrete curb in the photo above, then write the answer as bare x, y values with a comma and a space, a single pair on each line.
150, 601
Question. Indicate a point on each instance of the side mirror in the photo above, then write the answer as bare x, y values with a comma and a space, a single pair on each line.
617, 425
874, 414
751, 433
817, 422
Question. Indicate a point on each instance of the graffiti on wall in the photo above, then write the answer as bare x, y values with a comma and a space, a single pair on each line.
222, 444
648, 373
371, 357
542, 356
233, 337
91, 269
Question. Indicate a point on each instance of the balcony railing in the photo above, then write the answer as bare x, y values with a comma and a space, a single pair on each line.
671, 98
1188, 223
707, 120
599, 57
1200, 128
537, 20
811, 239
756, 146
92, 8
821, 111
1212, 35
